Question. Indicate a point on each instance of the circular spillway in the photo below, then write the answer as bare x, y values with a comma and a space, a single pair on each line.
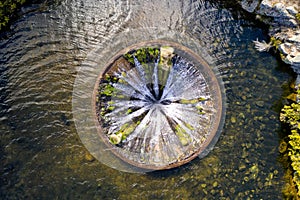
157, 105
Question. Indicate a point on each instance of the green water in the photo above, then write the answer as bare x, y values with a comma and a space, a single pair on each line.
41, 154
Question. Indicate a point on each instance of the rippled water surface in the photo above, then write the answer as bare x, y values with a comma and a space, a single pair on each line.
43, 157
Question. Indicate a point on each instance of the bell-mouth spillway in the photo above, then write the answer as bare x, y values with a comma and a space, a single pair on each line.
157, 105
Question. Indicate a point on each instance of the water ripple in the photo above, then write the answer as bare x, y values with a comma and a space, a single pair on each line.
41, 154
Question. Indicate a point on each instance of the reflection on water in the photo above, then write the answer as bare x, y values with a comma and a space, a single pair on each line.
42, 155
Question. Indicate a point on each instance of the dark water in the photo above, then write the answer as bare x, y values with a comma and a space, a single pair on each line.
42, 155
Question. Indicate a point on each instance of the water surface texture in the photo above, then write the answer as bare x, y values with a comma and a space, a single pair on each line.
43, 157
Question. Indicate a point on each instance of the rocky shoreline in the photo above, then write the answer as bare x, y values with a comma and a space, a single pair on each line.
283, 16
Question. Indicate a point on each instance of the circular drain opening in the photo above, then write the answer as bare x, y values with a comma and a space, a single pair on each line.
157, 105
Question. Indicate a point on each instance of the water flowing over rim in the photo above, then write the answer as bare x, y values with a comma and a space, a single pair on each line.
88, 75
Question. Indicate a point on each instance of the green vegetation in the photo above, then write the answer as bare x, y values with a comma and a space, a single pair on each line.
108, 90
123, 133
298, 17
150, 55
7, 9
275, 42
115, 138
291, 115
182, 135
144, 55
192, 101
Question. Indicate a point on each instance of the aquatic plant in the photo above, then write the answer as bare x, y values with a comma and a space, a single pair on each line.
262, 46
298, 17
291, 115
275, 42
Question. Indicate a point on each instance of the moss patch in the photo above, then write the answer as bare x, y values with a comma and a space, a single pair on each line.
291, 115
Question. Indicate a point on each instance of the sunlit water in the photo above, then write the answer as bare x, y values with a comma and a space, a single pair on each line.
42, 155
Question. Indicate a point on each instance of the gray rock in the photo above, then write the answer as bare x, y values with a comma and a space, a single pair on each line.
293, 60
285, 22
292, 54
297, 70
265, 8
280, 11
298, 82
292, 10
295, 38
260, 104
249, 5
285, 48
293, 23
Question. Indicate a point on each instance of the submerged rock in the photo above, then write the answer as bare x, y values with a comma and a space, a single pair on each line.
89, 157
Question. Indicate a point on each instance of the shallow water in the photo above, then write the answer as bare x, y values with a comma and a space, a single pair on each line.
42, 155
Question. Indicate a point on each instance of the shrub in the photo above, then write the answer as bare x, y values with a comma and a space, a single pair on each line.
7, 9
290, 114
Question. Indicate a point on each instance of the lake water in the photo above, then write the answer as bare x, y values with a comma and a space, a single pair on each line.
52, 46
